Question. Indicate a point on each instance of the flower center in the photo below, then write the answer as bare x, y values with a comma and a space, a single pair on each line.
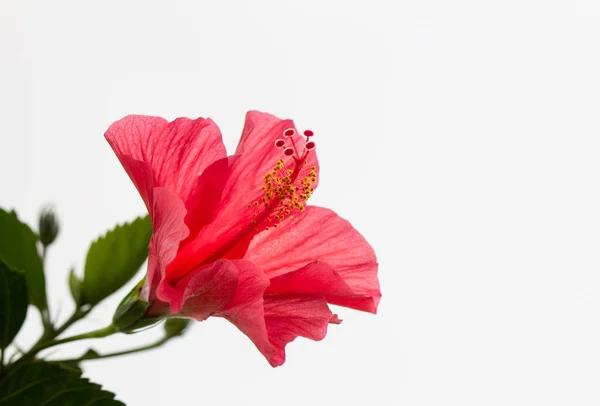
284, 193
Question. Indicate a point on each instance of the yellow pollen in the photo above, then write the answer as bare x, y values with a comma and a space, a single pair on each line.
286, 189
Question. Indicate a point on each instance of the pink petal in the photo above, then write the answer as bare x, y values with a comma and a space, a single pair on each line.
273, 321
175, 153
320, 279
232, 230
168, 230
246, 310
206, 290
251, 285
335, 319
205, 197
279, 321
288, 317
320, 234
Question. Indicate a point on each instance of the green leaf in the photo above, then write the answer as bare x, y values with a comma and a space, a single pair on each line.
75, 287
50, 384
13, 304
114, 259
19, 251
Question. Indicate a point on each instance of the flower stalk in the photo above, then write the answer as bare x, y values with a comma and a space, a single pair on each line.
100, 333
47, 337
88, 357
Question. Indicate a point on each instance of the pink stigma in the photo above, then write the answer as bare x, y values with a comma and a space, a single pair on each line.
279, 143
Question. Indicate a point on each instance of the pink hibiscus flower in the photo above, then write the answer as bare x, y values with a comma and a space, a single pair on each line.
233, 236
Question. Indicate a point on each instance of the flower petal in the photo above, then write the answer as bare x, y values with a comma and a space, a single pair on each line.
246, 310
320, 234
273, 321
206, 290
205, 198
168, 230
232, 230
278, 320
318, 278
251, 285
288, 317
176, 153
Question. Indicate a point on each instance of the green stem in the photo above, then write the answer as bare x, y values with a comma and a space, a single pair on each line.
47, 339
46, 321
45, 312
1, 361
18, 351
119, 353
77, 315
103, 332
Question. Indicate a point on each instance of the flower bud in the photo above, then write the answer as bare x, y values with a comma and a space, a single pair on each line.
48, 226
131, 314
175, 327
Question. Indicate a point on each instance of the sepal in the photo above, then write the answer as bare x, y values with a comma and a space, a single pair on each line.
131, 314
175, 327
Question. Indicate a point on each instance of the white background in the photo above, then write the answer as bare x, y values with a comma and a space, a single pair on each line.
460, 137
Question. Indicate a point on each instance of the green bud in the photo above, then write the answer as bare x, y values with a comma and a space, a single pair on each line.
175, 327
130, 315
48, 226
